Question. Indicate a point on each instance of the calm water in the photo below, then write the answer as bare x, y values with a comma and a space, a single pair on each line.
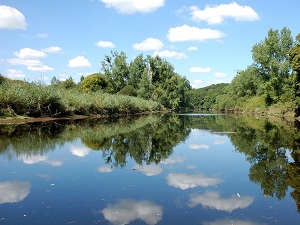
176, 169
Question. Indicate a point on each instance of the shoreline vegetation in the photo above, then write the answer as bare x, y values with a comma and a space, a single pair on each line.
270, 86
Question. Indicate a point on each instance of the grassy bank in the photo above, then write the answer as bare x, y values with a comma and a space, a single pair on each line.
19, 98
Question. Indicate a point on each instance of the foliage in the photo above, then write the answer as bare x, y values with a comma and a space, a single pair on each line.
93, 82
153, 78
272, 80
128, 90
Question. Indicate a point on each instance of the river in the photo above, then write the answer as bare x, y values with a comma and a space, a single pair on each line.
208, 169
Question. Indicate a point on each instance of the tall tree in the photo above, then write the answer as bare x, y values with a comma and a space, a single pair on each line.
116, 70
271, 60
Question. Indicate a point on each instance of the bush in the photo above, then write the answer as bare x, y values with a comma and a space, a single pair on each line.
94, 82
128, 90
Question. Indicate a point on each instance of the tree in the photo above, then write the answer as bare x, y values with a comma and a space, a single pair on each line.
295, 63
94, 82
136, 70
271, 61
116, 70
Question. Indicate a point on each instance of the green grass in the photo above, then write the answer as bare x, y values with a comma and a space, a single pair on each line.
37, 100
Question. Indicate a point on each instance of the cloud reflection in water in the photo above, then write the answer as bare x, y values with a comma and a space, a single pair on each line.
185, 181
13, 191
213, 200
149, 170
130, 210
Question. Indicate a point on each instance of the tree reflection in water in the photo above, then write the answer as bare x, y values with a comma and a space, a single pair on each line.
273, 149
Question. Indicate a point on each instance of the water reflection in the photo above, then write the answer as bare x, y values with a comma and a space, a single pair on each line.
129, 210
185, 181
146, 145
13, 191
232, 221
212, 199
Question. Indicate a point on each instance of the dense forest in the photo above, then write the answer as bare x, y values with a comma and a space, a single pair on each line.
270, 84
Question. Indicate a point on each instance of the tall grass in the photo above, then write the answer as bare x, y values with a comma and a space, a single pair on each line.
36, 100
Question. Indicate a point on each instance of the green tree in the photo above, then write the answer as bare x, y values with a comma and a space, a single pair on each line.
271, 60
136, 70
295, 63
93, 82
116, 70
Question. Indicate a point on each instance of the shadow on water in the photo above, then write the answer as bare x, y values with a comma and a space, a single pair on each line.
273, 149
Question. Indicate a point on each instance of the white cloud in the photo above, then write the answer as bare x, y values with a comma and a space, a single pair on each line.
188, 33
11, 18
105, 169
32, 159
40, 68
173, 160
170, 54
217, 14
15, 74
28, 53
192, 48
52, 49
149, 170
185, 181
129, 210
80, 151
79, 61
13, 191
196, 83
199, 70
232, 221
218, 74
214, 200
105, 44
133, 6
194, 146
149, 44
219, 142
25, 62
42, 35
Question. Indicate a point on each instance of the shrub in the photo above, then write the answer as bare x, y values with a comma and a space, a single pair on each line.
94, 82
128, 90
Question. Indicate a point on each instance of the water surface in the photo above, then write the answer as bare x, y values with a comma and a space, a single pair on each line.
175, 169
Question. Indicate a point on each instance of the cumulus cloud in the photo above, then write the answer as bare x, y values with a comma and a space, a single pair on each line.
130, 210
15, 74
32, 159
149, 44
173, 160
105, 169
185, 181
13, 191
80, 151
149, 170
219, 142
199, 70
42, 35
28, 53
218, 74
52, 49
212, 199
195, 146
188, 33
79, 61
196, 83
170, 54
192, 48
217, 14
105, 44
11, 18
31, 64
133, 6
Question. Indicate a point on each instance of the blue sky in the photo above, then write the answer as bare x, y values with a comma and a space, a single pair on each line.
206, 41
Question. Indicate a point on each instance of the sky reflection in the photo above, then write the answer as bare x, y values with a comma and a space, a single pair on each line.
129, 210
13, 191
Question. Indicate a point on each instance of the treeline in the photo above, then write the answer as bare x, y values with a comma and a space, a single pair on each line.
150, 78
270, 84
